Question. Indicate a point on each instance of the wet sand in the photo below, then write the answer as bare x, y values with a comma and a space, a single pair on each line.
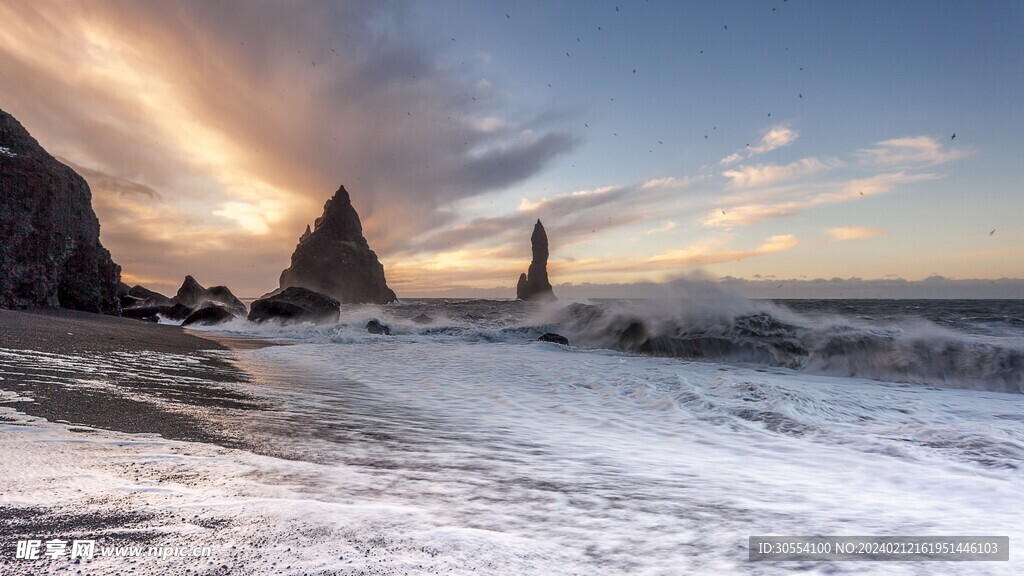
122, 403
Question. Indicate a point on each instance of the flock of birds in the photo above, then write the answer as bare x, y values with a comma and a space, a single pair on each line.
660, 142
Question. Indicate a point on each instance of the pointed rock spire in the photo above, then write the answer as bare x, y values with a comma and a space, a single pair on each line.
335, 259
535, 285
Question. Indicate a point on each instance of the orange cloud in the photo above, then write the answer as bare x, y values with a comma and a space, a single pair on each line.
843, 233
765, 174
910, 151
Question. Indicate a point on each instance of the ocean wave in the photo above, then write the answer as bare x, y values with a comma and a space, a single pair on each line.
860, 339
918, 352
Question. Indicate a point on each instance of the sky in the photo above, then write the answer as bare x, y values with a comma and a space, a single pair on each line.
752, 141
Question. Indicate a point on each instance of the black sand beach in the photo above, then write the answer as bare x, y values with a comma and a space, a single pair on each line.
126, 402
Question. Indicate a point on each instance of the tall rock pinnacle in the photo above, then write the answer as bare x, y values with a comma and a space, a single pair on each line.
534, 285
50, 251
335, 259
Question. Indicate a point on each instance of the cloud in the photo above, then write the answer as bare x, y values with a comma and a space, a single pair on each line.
100, 182
910, 151
776, 137
786, 201
245, 128
667, 226
765, 174
843, 233
706, 252
666, 183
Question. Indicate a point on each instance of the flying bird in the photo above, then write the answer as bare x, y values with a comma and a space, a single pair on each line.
992, 232
724, 26
953, 137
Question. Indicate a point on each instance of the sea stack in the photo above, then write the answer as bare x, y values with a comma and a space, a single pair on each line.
534, 285
334, 258
50, 251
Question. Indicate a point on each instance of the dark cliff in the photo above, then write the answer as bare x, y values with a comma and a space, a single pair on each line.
50, 251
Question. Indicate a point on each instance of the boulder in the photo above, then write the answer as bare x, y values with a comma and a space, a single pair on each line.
376, 327
209, 315
147, 297
50, 250
423, 319
535, 285
334, 258
556, 338
295, 304
222, 295
193, 295
190, 293
171, 312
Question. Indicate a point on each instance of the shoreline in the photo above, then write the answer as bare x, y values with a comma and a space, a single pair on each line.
125, 375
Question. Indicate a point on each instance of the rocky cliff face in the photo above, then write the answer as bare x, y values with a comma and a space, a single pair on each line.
335, 259
535, 285
50, 251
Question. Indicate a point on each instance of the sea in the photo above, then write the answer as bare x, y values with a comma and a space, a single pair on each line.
657, 442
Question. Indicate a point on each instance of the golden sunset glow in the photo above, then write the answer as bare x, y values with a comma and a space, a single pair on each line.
212, 136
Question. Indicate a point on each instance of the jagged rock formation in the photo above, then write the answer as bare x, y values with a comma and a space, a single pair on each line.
50, 251
295, 304
335, 259
192, 303
535, 285
193, 295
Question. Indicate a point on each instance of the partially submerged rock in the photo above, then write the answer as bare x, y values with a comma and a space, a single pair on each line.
171, 312
556, 338
147, 297
193, 295
423, 319
295, 304
377, 327
209, 315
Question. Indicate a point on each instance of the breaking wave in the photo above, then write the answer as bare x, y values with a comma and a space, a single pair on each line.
704, 322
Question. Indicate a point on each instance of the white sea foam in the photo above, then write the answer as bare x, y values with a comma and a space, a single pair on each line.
426, 454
